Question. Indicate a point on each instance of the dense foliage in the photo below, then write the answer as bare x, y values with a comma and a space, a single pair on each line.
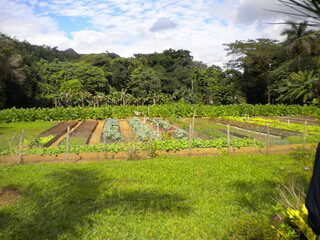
164, 110
261, 71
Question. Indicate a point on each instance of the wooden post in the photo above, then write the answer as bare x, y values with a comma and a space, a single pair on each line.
193, 118
68, 143
305, 133
228, 138
104, 140
190, 139
268, 139
21, 147
150, 139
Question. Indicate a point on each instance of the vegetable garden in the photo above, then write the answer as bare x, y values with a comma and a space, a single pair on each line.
180, 130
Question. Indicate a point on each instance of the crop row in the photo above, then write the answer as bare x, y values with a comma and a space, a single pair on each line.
312, 129
165, 110
168, 129
112, 130
141, 130
167, 145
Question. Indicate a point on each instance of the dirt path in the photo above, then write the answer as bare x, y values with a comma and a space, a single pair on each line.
9, 196
96, 135
60, 139
126, 131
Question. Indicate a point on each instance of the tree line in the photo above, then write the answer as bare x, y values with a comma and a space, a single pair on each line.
261, 71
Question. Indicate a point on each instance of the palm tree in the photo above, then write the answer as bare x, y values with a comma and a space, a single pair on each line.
297, 41
303, 9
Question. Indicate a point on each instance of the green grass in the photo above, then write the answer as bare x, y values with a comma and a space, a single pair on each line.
161, 198
10, 132
73, 141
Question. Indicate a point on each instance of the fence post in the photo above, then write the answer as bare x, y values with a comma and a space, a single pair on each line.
268, 139
193, 117
150, 140
190, 139
21, 147
305, 133
228, 138
68, 143
104, 140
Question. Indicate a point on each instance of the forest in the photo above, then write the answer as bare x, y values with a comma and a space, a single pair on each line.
261, 71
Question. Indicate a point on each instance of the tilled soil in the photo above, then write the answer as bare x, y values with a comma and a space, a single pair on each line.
85, 129
60, 127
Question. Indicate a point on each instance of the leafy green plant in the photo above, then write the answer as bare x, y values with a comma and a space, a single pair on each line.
112, 130
168, 132
165, 110
141, 130
37, 141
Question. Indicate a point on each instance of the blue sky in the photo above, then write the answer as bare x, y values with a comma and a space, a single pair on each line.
127, 27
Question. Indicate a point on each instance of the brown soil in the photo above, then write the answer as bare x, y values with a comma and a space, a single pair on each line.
9, 196
60, 127
126, 131
96, 135
85, 129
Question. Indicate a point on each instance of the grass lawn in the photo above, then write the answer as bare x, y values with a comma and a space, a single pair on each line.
10, 133
161, 198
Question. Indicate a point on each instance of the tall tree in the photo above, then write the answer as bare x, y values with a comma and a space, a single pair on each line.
145, 85
255, 58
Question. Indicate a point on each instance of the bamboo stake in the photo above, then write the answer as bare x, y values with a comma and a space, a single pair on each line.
268, 139
68, 143
21, 147
190, 139
228, 138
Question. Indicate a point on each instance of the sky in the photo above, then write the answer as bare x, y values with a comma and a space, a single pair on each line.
127, 27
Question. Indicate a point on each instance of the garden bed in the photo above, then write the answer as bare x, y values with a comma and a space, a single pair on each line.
85, 130
59, 128
256, 128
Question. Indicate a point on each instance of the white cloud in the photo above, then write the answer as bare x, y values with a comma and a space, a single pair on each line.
200, 26
163, 24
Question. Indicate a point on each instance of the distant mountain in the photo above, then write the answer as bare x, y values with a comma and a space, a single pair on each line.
71, 51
